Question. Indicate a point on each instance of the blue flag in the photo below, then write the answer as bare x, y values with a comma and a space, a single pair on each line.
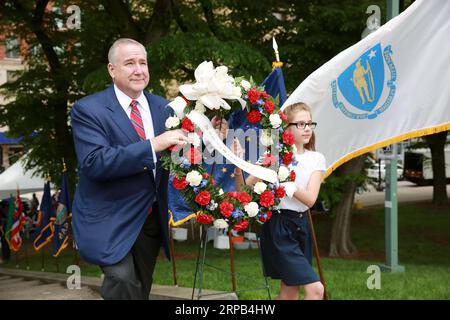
274, 85
61, 223
45, 231
223, 173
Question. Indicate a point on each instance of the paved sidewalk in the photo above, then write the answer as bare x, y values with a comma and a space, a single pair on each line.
406, 192
36, 285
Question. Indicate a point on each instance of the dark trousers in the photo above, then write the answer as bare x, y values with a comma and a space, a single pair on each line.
132, 277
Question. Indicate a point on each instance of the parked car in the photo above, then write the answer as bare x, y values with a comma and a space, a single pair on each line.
376, 170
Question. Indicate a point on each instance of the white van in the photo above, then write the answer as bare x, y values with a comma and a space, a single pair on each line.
418, 167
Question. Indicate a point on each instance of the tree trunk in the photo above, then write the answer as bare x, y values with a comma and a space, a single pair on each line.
159, 24
436, 142
341, 243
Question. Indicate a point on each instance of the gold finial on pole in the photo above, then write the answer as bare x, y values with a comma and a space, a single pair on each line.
277, 63
64, 165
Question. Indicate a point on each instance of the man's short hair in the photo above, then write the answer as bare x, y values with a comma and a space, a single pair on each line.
118, 43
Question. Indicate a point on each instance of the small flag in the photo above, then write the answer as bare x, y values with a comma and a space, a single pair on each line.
45, 231
15, 239
61, 222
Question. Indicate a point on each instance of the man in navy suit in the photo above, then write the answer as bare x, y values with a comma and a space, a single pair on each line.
119, 212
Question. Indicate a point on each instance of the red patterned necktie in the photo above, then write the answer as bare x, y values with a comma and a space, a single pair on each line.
136, 119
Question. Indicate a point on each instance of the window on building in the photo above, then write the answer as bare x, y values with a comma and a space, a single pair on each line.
12, 48
11, 76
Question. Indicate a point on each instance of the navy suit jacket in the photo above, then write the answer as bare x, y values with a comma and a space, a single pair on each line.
116, 187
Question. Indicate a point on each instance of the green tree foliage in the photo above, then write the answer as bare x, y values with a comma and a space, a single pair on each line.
65, 64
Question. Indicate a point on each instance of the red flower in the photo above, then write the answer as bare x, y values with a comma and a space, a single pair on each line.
269, 160
194, 155
204, 218
293, 175
205, 175
269, 106
280, 192
203, 198
179, 184
288, 138
266, 199
187, 125
283, 116
226, 208
244, 198
241, 226
253, 95
232, 194
287, 158
254, 116
264, 95
268, 216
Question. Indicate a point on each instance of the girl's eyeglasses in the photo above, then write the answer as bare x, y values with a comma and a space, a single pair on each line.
302, 125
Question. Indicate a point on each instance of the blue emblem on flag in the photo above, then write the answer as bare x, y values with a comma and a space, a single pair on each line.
362, 85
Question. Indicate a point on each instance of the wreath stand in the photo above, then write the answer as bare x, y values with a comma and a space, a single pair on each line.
201, 263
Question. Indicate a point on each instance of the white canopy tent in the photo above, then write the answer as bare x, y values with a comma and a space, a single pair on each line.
17, 177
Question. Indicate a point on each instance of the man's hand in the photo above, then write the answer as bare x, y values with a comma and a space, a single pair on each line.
221, 127
168, 139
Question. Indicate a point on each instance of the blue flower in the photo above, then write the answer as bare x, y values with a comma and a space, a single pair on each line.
196, 189
237, 213
185, 164
260, 102
203, 183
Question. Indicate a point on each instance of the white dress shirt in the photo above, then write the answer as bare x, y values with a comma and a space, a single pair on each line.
146, 115
307, 163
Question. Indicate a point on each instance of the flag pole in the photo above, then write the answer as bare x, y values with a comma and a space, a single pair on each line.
57, 265
233, 274
43, 260
26, 256
316, 253
172, 256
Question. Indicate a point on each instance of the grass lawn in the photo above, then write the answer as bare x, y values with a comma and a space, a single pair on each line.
424, 250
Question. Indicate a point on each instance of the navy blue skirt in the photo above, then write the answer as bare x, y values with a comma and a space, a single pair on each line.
286, 248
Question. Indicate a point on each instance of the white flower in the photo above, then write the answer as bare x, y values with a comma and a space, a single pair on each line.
220, 191
172, 122
275, 120
220, 224
199, 107
290, 188
260, 187
193, 139
266, 138
252, 209
178, 106
283, 173
212, 86
194, 178
245, 85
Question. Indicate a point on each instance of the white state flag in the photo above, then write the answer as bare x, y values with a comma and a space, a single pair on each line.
390, 86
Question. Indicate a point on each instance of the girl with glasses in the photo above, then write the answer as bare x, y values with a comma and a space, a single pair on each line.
286, 243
